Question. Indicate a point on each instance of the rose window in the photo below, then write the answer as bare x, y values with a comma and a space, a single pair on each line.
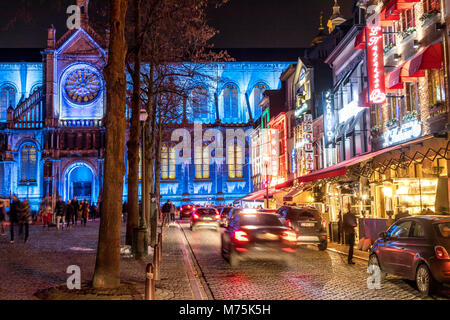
82, 86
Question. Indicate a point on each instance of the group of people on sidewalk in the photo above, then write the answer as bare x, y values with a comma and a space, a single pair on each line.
65, 215
19, 214
168, 211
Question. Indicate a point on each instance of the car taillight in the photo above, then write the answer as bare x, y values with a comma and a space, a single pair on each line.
441, 253
217, 216
288, 223
289, 236
195, 216
241, 236
324, 224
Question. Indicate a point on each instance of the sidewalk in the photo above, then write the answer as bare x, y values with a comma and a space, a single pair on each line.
343, 249
41, 264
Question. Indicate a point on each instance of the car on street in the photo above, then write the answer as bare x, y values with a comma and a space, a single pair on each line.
252, 234
205, 217
308, 223
415, 248
224, 216
186, 210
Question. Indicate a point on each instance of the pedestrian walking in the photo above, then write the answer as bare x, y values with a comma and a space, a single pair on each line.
84, 212
60, 209
14, 215
93, 211
166, 208
76, 207
340, 236
173, 209
69, 214
25, 218
349, 225
2, 217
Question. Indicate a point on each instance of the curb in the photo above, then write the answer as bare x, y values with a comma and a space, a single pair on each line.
346, 254
197, 280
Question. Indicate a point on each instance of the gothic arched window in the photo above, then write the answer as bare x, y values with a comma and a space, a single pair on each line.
28, 163
257, 93
7, 99
230, 101
199, 102
201, 161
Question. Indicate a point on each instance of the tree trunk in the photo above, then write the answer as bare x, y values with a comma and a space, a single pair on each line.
107, 266
153, 219
135, 133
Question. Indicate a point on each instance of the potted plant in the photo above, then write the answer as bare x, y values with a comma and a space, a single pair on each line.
410, 116
429, 15
392, 123
388, 47
407, 32
375, 130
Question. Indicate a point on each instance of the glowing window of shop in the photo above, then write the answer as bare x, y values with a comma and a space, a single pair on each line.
416, 194
394, 105
28, 163
436, 89
168, 164
235, 159
389, 36
411, 96
201, 161
430, 5
378, 114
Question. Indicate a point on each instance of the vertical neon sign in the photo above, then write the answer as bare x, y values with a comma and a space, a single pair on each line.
375, 60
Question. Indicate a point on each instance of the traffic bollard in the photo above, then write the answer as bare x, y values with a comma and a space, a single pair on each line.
149, 283
157, 262
160, 245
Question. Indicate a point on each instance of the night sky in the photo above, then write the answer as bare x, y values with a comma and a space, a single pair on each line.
242, 23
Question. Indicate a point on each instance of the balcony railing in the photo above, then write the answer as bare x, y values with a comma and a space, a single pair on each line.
81, 123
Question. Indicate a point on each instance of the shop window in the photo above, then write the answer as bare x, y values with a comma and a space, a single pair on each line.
411, 96
235, 159
168, 164
28, 163
408, 19
7, 99
201, 160
394, 106
436, 89
430, 5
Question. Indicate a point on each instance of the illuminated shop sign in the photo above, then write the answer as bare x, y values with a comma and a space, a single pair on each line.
299, 111
302, 75
329, 118
294, 160
308, 139
274, 141
375, 58
405, 132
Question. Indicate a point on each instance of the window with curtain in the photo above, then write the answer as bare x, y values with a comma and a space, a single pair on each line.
201, 161
389, 36
168, 164
199, 100
258, 91
28, 163
378, 115
230, 101
411, 96
235, 159
408, 19
393, 107
7, 99
430, 5
436, 90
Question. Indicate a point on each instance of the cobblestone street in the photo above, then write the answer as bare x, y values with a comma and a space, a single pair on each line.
313, 275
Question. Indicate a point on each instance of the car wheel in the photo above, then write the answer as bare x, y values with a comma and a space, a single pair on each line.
323, 246
424, 280
233, 258
373, 261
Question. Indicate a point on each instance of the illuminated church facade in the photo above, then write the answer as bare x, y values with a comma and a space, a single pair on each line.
52, 105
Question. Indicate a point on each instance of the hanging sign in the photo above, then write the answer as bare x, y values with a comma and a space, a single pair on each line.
375, 59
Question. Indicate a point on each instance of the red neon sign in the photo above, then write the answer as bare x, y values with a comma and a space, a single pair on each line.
377, 90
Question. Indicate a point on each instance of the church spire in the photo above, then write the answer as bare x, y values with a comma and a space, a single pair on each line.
84, 8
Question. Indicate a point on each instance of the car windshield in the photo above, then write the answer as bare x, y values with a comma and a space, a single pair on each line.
204, 211
260, 220
444, 229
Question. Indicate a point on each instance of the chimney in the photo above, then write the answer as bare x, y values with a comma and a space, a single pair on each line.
51, 37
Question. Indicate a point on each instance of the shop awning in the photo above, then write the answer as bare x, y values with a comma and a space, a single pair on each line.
394, 80
340, 169
428, 58
285, 184
296, 191
392, 10
258, 195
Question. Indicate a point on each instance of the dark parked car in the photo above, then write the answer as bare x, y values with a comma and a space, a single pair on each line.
205, 217
308, 223
257, 235
224, 216
186, 210
415, 248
